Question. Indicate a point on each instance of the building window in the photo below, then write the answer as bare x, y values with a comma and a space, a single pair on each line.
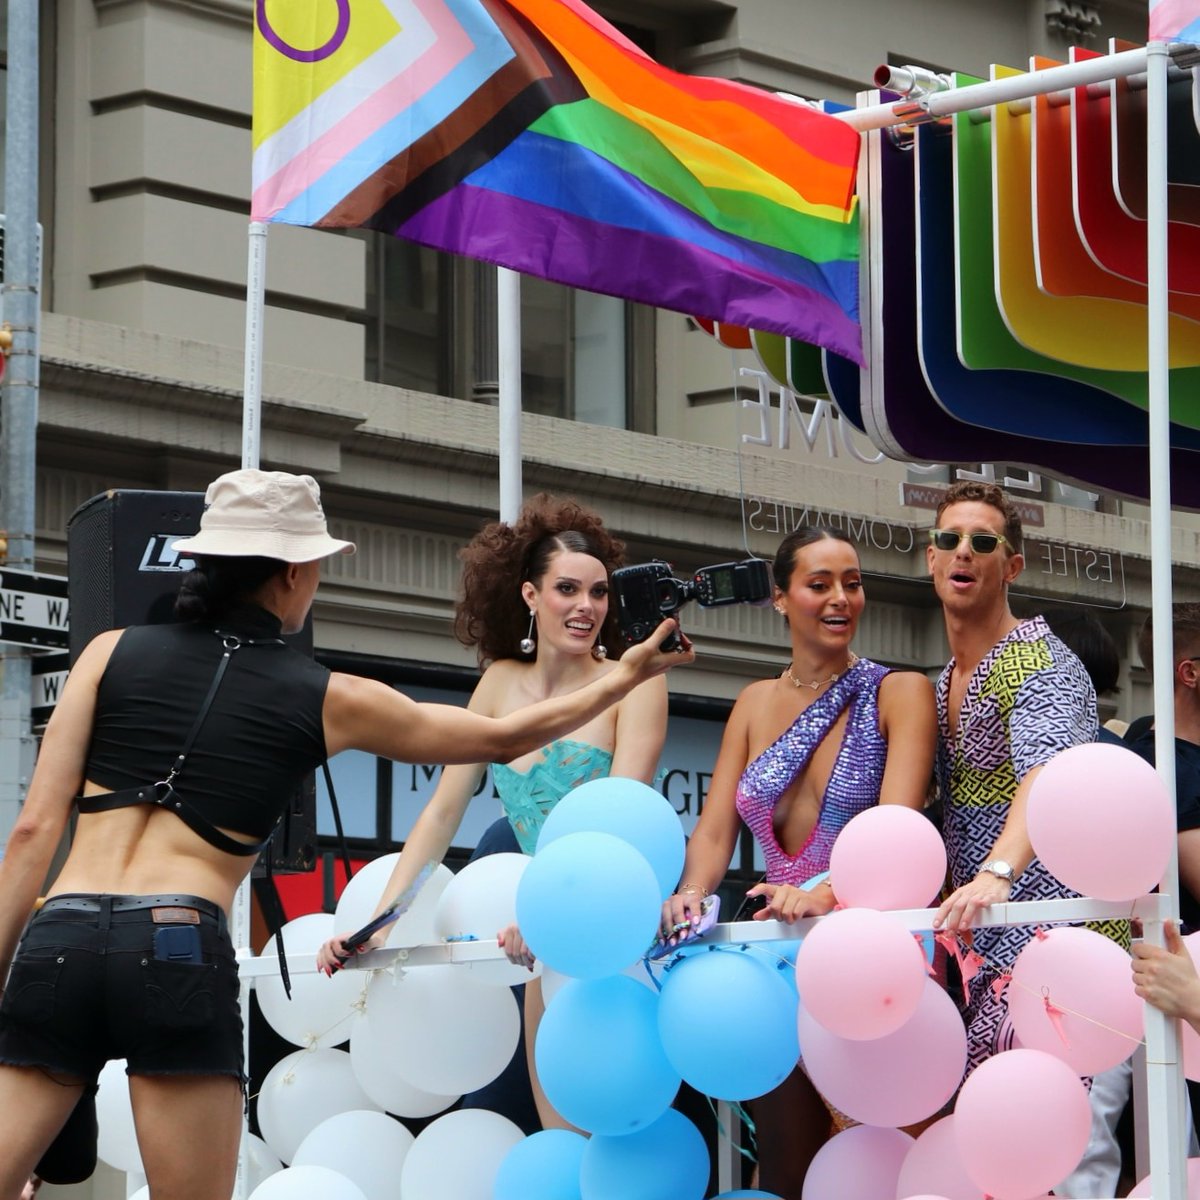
574, 354
409, 327
430, 326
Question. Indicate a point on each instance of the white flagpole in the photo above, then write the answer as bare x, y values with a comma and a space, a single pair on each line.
256, 290
239, 926
1165, 1094
508, 321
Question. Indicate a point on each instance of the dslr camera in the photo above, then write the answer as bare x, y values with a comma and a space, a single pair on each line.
648, 592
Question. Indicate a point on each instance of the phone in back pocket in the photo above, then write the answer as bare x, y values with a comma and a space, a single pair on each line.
178, 943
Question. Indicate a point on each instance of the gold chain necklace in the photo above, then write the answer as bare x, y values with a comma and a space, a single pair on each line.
819, 683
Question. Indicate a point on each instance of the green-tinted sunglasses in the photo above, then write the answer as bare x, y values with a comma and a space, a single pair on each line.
981, 543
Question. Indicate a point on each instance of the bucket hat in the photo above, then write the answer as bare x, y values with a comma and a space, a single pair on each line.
272, 514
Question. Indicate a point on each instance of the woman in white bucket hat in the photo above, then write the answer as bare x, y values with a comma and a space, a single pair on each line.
178, 746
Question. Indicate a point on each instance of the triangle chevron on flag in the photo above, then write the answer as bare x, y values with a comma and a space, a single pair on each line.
534, 135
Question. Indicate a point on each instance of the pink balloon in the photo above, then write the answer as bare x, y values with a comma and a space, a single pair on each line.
1086, 977
1022, 1121
1142, 1188
894, 1080
1101, 821
887, 857
933, 1165
860, 973
861, 1163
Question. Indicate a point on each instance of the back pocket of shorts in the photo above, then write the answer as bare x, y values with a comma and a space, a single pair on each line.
29, 992
179, 996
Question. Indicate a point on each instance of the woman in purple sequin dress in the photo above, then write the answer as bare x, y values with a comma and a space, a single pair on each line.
802, 753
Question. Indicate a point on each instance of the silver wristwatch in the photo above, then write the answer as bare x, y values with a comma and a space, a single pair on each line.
1001, 869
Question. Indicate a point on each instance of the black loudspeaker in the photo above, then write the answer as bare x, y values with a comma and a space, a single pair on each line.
122, 570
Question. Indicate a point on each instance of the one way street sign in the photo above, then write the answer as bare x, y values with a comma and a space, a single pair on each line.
33, 609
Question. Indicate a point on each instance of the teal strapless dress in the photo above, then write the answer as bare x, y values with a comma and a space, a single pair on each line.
528, 796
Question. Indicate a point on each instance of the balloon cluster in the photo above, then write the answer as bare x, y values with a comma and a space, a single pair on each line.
418, 1041
589, 907
1101, 822
882, 1041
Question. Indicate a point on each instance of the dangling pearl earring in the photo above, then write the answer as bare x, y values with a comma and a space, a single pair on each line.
600, 651
527, 644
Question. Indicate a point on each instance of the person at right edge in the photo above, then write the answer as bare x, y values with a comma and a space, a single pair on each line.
1185, 685
1011, 698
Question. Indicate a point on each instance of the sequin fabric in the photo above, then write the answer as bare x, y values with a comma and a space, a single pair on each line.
1028, 699
528, 796
853, 784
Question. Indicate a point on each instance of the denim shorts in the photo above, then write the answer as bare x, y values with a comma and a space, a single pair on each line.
85, 987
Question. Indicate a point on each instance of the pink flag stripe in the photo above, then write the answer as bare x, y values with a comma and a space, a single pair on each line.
449, 47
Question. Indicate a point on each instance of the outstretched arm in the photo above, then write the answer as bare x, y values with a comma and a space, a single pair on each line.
429, 840
433, 831
367, 715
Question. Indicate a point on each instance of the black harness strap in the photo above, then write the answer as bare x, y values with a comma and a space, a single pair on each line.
163, 793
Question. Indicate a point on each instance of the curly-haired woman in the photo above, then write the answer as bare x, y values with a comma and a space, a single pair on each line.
535, 604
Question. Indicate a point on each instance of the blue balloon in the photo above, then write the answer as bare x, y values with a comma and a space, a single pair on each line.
665, 1161
545, 1165
630, 810
588, 905
599, 1057
727, 1019
747, 1194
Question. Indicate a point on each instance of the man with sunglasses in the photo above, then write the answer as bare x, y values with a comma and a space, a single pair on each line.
1011, 697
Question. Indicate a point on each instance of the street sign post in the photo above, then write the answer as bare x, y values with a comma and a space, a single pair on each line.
48, 678
33, 609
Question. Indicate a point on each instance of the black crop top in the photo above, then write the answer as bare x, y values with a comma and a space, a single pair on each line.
262, 735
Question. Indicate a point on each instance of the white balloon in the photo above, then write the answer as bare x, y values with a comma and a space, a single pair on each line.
364, 891
307, 1183
479, 902
458, 1155
442, 1030
117, 1143
260, 1162
321, 1009
302, 1090
378, 1078
369, 1148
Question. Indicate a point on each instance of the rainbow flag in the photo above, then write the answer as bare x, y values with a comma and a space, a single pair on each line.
1174, 20
532, 134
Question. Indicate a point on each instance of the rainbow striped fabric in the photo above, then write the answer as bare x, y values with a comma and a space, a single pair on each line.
1175, 20
532, 134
